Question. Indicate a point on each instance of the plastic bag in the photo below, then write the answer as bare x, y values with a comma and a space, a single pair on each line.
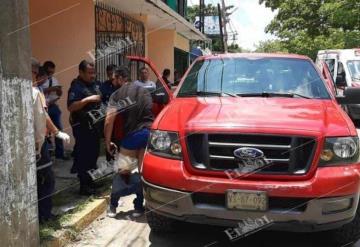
124, 163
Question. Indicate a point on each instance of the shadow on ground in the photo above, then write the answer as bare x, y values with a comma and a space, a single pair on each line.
209, 236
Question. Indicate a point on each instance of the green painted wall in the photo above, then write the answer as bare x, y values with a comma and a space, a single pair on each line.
172, 4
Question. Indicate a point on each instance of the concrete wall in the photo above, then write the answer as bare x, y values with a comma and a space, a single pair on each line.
64, 32
18, 195
161, 49
143, 19
182, 43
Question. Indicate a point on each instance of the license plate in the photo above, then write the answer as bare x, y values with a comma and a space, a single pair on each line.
247, 200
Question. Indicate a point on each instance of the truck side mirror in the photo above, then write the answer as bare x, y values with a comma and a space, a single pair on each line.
341, 80
351, 96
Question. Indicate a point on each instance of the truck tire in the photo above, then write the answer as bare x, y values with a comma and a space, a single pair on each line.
348, 233
159, 223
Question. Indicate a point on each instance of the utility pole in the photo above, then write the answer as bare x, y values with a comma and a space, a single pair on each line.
221, 27
202, 16
18, 190
225, 21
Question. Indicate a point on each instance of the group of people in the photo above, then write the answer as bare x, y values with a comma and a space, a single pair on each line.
123, 117
118, 110
45, 92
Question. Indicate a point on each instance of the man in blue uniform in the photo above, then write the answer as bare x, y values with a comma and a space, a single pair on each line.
109, 86
84, 96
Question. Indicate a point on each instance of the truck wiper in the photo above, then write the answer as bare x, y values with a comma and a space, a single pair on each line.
205, 93
266, 94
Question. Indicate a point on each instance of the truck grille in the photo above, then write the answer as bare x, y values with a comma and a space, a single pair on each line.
285, 155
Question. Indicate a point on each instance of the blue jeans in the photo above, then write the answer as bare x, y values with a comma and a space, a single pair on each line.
55, 115
124, 186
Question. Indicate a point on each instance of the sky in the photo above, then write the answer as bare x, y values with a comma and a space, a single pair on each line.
249, 20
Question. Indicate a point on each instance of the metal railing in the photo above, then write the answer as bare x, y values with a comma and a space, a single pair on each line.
117, 36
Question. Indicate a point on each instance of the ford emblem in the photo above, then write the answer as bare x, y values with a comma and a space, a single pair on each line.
248, 153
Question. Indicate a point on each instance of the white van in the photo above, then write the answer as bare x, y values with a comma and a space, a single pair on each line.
344, 66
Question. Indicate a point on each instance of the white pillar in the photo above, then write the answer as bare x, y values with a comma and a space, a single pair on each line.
18, 194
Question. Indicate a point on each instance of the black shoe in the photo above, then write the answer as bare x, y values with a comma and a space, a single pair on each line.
43, 219
73, 170
96, 185
87, 191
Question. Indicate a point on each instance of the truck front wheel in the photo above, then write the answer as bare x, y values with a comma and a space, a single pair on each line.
159, 223
348, 233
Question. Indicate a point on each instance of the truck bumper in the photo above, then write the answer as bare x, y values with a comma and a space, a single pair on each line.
312, 215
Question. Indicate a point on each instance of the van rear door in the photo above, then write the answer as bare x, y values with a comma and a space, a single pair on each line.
331, 58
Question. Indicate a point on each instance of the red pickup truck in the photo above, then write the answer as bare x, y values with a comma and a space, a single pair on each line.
252, 136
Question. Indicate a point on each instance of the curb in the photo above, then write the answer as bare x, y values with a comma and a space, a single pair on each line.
78, 222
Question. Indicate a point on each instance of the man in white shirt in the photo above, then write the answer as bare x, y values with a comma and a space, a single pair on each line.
52, 90
43, 126
144, 80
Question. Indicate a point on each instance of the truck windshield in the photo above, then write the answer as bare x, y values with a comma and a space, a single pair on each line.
354, 68
254, 77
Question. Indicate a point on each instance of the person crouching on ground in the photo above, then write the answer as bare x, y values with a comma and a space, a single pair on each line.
134, 103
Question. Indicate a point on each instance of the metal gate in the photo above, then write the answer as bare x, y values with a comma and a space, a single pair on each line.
117, 36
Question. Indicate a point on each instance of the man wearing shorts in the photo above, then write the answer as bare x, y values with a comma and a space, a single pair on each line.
134, 104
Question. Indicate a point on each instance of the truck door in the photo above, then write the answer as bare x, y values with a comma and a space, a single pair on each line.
162, 95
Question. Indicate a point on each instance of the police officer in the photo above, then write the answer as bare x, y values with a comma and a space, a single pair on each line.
84, 97
109, 86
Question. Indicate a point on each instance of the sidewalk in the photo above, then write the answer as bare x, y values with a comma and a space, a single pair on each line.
66, 182
74, 212
69, 183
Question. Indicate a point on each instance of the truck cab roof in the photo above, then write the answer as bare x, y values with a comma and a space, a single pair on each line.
254, 55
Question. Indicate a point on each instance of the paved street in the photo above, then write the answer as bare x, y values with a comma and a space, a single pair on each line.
123, 232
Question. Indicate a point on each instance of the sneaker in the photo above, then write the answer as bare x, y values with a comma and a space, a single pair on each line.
111, 212
138, 213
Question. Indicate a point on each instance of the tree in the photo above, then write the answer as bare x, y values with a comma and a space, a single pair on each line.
270, 46
306, 26
193, 11
235, 48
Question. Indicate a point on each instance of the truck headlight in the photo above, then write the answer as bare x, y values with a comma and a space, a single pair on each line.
165, 144
340, 150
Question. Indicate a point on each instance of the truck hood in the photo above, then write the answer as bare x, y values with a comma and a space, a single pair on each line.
280, 114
